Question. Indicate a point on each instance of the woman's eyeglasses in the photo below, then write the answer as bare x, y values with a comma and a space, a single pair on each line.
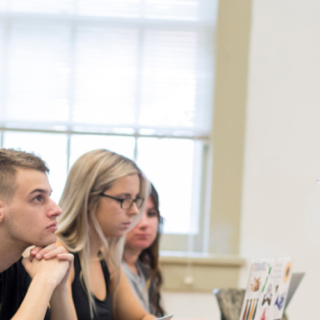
126, 203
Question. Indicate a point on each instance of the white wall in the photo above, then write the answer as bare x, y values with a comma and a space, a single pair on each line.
191, 305
281, 201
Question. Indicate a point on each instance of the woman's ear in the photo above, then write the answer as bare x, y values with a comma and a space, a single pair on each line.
93, 203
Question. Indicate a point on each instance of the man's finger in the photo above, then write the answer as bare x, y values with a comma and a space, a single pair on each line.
46, 250
34, 251
54, 253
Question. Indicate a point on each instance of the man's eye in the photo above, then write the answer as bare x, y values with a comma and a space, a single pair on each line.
38, 198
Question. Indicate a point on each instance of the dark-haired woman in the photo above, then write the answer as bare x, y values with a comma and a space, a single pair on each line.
140, 258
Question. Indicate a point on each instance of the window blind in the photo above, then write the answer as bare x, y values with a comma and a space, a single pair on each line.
83, 72
114, 66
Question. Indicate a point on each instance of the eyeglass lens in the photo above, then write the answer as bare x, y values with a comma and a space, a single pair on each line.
127, 203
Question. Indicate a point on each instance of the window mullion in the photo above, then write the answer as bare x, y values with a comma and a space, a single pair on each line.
139, 77
135, 153
1, 138
71, 93
207, 181
68, 151
138, 88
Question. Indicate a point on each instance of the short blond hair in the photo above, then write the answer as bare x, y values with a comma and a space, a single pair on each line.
10, 160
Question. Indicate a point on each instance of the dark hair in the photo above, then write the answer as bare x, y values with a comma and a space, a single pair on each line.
10, 160
150, 256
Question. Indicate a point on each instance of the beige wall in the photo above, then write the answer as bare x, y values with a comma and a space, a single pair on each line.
267, 114
232, 51
227, 144
281, 201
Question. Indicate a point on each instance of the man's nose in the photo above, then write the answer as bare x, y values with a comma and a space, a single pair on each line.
55, 210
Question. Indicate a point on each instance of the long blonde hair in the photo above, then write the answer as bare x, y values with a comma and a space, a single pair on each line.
92, 174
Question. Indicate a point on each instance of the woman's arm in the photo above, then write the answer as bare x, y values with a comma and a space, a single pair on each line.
61, 302
126, 304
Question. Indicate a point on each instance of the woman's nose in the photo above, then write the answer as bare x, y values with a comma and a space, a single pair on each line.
143, 223
134, 209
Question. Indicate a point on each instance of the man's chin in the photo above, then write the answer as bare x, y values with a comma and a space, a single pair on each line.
44, 242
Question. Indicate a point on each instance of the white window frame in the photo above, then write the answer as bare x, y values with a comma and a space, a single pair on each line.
176, 242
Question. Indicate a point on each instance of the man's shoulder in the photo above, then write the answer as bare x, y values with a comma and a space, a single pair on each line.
14, 282
14, 286
16, 272
17, 266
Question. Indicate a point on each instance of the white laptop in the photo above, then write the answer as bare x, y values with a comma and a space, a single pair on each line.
294, 283
267, 290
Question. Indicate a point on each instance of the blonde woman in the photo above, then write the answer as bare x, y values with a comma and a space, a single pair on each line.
103, 197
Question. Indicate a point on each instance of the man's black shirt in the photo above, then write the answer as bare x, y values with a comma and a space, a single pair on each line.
14, 284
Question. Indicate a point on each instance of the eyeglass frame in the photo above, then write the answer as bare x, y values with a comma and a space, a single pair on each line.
122, 200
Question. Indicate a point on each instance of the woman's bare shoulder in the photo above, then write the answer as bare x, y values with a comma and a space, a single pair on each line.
61, 244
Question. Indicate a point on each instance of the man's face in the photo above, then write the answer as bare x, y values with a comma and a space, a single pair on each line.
30, 216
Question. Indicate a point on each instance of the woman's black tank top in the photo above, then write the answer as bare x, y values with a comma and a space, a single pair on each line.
80, 298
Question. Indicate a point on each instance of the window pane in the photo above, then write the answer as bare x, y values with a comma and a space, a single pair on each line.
3, 67
38, 74
168, 9
111, 8
81, 144
106, 76
40, 6
170, 165
168, 88
52, 148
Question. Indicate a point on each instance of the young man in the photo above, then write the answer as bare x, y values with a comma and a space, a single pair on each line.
28, 217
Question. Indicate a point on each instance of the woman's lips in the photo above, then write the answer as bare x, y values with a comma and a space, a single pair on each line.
142, 236
127, 225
